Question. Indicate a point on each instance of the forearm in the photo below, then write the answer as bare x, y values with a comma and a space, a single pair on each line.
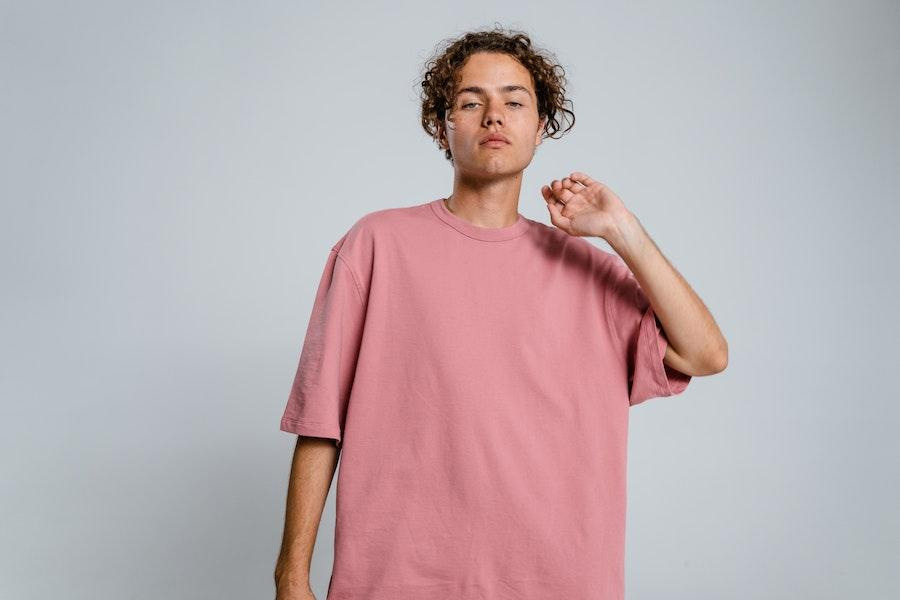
312, 470
694, 338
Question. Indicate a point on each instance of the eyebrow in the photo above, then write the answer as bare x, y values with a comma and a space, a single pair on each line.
507, 88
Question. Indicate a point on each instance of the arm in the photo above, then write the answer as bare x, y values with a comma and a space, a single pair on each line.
312, 470
696, 345
579, 205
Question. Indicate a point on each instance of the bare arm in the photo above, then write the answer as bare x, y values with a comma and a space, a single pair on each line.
312, 470
696, 345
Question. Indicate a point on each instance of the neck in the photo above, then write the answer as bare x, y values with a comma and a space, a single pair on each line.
490, 204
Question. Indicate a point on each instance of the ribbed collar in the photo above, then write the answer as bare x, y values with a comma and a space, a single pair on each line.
487, 234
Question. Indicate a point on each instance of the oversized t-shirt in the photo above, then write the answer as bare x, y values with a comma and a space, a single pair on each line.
478, 383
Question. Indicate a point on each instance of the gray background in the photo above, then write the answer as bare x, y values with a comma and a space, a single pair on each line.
174, 175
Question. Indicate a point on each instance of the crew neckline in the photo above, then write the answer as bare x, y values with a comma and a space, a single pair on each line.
487, 234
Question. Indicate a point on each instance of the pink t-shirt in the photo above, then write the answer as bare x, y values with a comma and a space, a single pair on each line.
478, 383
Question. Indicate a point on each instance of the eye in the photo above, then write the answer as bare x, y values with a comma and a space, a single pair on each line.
467, 104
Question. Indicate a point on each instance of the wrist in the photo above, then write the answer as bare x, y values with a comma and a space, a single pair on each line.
290, 573
291, 580
626, 233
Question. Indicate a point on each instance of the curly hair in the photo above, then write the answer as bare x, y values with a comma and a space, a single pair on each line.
442, 73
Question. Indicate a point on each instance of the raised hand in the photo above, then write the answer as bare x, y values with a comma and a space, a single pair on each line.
582, 206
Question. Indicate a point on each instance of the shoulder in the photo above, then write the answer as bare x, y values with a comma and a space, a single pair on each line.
379, 223
576, 250
358, 244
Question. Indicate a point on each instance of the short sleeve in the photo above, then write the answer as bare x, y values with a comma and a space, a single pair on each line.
640, 337
317, 404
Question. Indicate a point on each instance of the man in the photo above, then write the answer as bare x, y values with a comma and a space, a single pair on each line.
474, 369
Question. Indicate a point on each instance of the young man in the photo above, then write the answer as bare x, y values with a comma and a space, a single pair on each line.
475, 369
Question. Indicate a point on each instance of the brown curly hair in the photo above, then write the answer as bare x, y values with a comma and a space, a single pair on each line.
441, 76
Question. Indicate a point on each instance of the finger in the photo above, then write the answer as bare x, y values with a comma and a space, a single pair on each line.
554, 207
546, 193
564, 195
582, 178
556, 216
572, 185
550, 196
576, 186
557, 190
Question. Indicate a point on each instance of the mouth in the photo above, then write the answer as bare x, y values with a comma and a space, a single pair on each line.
495, 140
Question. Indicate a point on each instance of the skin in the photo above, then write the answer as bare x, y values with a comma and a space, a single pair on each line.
487, 183
312, 471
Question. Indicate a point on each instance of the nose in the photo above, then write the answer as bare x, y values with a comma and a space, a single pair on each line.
492, 115
489, 119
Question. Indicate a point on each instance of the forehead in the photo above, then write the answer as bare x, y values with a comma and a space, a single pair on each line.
492, 71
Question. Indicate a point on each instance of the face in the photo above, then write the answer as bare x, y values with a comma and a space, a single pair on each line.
495, 94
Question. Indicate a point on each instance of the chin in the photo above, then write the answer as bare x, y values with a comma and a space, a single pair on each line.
495, 165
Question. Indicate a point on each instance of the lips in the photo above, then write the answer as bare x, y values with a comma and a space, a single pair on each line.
494, 137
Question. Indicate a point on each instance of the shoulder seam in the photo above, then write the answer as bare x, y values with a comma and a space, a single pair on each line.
352, 274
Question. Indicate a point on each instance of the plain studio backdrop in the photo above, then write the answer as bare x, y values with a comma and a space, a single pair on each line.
174, 174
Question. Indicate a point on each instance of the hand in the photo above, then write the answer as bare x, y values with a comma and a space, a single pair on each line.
582, 206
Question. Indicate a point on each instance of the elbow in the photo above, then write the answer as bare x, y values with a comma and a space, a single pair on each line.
718, 360
712, 361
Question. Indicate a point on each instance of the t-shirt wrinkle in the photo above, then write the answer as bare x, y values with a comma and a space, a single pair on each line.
480, 395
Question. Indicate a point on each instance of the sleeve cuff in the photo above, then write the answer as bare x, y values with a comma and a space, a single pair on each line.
312, 429
653, 378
